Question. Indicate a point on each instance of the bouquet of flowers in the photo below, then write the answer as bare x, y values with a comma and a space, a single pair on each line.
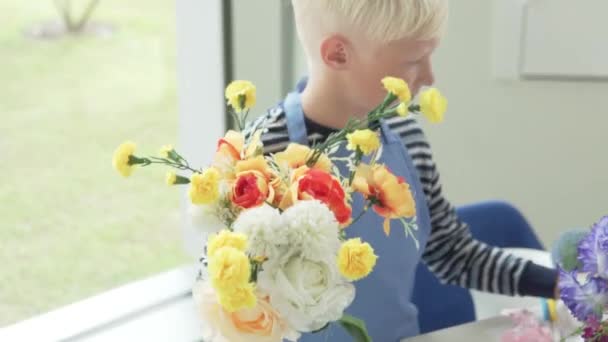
278, 263
583, 261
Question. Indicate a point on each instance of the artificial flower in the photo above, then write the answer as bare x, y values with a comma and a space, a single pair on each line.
402, 109
356, 259
593, 250
584, 300
261, 323
254, 164
322, 186
265, 231
433, 105
209, 218
204, 188
311, 228
242, 297
251, 189
165, 151
241, 95
364, 140
123, 161
397, 87
170, 178
307, 293
296, 155
229, 269
226, 238
391, 195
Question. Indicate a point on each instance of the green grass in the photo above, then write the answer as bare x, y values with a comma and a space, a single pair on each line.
70, 227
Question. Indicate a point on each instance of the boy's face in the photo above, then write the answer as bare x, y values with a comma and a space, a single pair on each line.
407, 59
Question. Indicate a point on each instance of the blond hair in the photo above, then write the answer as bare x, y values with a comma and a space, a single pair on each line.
378, 20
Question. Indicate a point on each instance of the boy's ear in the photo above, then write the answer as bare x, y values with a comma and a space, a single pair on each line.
335, 52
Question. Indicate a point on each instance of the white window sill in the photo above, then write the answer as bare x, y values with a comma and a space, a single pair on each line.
155, 309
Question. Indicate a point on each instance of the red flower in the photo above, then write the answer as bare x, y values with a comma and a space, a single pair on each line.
251, 190
320, 185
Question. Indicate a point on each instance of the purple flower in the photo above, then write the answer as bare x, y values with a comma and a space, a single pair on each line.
588, 333
591, 327
584, 300
593, 250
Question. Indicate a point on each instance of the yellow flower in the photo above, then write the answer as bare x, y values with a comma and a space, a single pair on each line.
204, 188
171, 178
165, 150
402, 109
356, 259
243, 297
398, 87
433, 105
229, 269
236, 91
226, 238
122, 158
364, 139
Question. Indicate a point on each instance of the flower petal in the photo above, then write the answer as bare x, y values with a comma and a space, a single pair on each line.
584, 301
593, 250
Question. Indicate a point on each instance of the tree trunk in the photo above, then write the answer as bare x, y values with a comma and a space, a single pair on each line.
64, 8
86, 15
65, 11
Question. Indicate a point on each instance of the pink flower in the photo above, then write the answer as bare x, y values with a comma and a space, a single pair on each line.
527, 328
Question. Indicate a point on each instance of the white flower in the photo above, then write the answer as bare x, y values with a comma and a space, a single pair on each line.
308, 294
205, 218
265, 231
312, 229
301, 274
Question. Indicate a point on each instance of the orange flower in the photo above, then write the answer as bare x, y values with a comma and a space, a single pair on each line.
254, 164
251, 189
230, 146
390, 195
259, 324
295, 156
320, 185
281, 191
231, 149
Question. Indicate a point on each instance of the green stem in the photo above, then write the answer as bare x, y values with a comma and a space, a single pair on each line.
365, 209
358, 155
177, 165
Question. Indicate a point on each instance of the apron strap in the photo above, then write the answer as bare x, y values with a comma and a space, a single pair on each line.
296, 127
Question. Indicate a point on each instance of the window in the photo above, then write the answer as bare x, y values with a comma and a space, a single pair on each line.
70, 226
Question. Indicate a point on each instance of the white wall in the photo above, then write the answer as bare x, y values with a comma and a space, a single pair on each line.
258, 48
538, 144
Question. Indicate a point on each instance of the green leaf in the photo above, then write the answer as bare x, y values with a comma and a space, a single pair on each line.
355, 328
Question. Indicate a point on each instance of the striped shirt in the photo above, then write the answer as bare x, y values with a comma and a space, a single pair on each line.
451, 253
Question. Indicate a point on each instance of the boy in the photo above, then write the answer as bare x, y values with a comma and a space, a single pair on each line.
350, 46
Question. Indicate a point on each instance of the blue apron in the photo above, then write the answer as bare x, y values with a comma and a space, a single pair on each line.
383, 299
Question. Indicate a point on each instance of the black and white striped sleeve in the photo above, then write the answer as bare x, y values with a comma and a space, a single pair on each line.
452, 254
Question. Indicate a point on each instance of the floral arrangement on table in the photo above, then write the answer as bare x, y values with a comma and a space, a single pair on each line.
282, 265
583, 284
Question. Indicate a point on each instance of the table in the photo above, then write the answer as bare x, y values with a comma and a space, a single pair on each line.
488, 330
